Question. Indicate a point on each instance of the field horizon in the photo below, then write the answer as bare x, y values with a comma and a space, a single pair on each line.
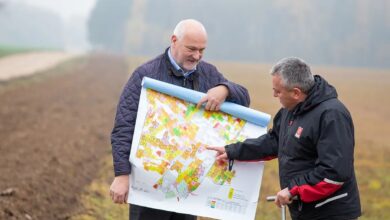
79, 125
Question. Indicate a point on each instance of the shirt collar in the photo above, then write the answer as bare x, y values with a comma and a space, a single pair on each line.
177, 67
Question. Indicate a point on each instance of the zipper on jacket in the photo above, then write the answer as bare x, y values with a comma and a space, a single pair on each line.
290, 121
185, 82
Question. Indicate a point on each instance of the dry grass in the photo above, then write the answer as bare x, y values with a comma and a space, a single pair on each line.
363, 91
96, 201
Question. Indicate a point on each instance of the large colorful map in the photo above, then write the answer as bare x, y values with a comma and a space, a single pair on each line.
173, 170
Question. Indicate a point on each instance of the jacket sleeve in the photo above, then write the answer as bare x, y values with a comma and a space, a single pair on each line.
264, 147
334, 165
122, 133
237, 93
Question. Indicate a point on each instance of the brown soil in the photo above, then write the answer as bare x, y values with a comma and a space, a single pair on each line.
54, 130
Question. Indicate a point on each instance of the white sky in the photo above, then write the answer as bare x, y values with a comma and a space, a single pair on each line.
65, 8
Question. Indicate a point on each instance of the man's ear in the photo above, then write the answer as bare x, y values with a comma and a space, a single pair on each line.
173, 39
297, 93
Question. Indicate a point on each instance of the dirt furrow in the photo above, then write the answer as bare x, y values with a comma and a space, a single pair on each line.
53, 133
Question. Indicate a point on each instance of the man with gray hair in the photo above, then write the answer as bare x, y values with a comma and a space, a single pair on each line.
313, 139
180, 65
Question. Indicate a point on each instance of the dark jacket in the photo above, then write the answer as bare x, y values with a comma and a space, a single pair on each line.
204, 78
314, 144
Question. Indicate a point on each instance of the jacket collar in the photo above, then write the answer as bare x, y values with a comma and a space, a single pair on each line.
320, 92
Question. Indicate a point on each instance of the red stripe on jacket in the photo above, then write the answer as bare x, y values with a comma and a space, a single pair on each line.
308, 193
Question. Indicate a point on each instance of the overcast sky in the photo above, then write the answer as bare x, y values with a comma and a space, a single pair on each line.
65, 8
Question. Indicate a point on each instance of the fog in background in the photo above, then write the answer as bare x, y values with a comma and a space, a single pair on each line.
45, 24
332, 32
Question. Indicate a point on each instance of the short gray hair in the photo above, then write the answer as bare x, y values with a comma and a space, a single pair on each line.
294, 72
183, 25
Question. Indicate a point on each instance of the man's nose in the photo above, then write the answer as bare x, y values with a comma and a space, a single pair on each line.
197, 55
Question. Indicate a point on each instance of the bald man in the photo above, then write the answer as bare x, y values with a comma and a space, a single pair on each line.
181, 64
